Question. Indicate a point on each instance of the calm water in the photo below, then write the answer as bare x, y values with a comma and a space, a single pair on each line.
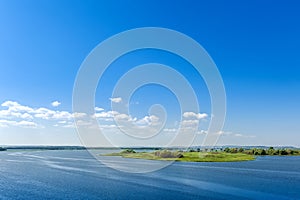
77, 175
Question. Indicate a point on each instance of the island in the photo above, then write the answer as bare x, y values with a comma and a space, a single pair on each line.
211, 155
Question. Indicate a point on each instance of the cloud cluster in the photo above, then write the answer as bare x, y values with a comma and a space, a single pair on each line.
24, 124
19, 115
55, 103
203, 132
198, 116
191, 121
15, 114
110, 116
116, 100
98, 109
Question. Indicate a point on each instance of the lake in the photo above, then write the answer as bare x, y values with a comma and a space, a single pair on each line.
77, 175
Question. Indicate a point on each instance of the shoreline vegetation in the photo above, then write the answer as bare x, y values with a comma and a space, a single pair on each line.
2, 149
196, 155
193, 154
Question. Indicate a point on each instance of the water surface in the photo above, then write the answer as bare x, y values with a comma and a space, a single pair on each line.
77, 175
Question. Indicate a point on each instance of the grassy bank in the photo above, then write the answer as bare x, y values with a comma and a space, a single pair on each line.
185, 156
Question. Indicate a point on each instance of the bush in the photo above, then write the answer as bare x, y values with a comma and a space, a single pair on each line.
168, 154
179, 155
128, 151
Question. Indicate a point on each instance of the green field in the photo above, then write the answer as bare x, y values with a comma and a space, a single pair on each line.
186, 156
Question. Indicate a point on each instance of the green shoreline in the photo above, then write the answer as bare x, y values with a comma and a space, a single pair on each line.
189, 156
224, 155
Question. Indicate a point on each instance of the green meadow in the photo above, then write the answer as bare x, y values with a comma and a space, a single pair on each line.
185, 156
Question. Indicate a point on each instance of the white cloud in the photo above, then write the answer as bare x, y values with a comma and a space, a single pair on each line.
9, 114
98, 109
189, 126
69, 126
105, 126
55, 103
170, 130
185, 130
27, 124
10, 104
191, 122
16, 110
121, 117
148, 120
224, 133
124, 117
26, 116
195, 115
48, 114
116, 99
245, 136
109, 114
62, 115
43, 113
228, 133
23, 124
16, 114
106, 119
79, 115
127, 121
16, 107
83, 123
202, 132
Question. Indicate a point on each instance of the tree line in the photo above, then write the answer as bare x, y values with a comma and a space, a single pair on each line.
260, 151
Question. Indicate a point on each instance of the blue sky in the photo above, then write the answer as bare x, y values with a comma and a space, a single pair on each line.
255, 45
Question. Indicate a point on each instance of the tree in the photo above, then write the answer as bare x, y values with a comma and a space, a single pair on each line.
2, 149
227, 150
283, 152
291, 152
233, 150
271, 151
263, 152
